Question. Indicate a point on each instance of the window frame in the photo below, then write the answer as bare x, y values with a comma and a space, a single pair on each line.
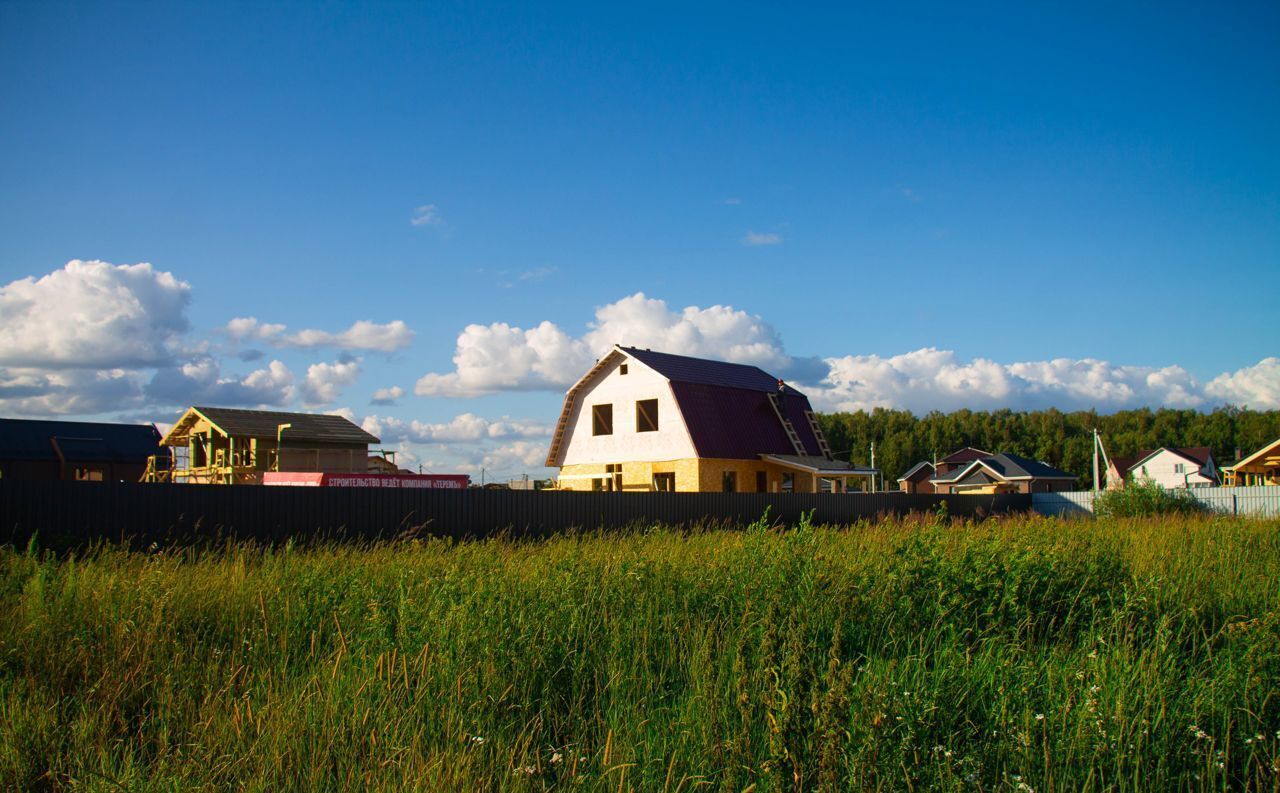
640, 413
601, 415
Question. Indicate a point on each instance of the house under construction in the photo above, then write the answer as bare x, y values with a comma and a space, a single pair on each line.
231, 446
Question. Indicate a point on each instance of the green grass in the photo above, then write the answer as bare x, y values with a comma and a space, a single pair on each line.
915, 654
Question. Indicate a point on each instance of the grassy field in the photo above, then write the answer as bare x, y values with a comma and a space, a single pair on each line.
1013, 654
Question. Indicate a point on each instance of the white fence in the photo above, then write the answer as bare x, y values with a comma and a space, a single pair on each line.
1254, 501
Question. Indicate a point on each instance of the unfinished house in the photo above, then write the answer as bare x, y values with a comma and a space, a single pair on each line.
1262, 468
643, 421
230, 446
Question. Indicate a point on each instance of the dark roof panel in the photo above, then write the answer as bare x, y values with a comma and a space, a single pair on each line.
1012, 465
965, 455
683, 369
83, 441
739, 424
306, 426
819, 463
923, 465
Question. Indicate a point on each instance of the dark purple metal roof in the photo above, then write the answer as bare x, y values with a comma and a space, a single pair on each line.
683, 369
739, 423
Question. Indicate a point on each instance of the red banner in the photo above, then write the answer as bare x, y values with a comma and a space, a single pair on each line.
417, 481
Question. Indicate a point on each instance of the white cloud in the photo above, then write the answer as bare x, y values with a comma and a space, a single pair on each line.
500, 357
200, 382
387, 396
514, 458
362, 335
1255, 386
93, 315
426, 215
324, 381
931, 379
466, 427
32, 392
757, 238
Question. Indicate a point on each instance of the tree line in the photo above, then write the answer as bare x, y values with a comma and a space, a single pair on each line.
1063, 440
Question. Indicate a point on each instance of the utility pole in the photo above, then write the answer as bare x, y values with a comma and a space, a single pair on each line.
1095, 459
873, 466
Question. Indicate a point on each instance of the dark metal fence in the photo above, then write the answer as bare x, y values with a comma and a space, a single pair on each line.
63, 515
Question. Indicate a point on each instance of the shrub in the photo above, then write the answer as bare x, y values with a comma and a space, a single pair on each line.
1146, 497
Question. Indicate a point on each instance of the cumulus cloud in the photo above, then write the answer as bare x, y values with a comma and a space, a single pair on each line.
426, 215
1255, 386
387, 396
466, 427
324, 381
757, 238
501, 357
93, 315
362, 335
932, 379
201, 382
32, 392
513, 458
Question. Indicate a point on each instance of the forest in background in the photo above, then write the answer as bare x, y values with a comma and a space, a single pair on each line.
1064, 440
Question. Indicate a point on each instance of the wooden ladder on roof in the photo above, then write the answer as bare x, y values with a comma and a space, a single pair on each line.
775, 400
823, 446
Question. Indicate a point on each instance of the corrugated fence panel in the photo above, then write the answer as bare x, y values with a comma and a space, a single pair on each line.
73, 514
1248, 501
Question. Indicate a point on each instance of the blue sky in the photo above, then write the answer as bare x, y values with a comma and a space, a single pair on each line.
1008, 184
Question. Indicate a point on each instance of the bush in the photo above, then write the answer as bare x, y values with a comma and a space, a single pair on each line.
1146, 497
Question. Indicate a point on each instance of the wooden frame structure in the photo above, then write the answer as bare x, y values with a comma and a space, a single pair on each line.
230, 446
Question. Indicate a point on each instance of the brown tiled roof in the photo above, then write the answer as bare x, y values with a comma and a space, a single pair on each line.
306, 426
965, 455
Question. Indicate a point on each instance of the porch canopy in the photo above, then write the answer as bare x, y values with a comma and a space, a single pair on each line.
820, 468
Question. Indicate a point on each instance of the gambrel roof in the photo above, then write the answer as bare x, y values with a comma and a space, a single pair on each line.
725, 406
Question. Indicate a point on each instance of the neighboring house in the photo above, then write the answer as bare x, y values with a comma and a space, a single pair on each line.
1002, 473
1168, 466
232, 446
75, 450
916, 479
652, 421
959, 459
919, 478
1260, 468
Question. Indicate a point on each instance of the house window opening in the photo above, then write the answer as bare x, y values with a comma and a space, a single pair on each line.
788, 483
647, 415
622, 369
762, 482
664, 482
87, 474
602, 420
614, 470
729, 482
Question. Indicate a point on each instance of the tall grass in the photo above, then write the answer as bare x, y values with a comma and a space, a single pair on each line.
1012, 654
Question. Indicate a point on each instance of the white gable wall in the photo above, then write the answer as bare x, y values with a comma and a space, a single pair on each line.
1162, 467
671, 441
